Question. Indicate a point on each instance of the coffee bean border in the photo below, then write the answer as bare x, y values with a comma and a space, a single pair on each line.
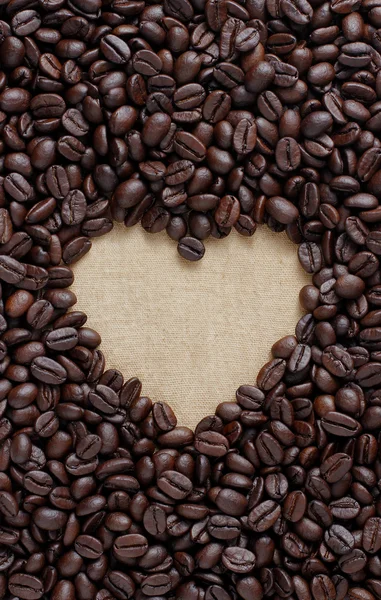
194, 117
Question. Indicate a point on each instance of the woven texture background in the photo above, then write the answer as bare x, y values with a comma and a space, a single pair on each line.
193, 332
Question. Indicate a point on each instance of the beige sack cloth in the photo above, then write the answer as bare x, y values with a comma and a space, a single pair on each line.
192, 332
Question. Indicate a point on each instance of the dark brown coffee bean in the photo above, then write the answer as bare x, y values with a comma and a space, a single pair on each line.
245, 137
179, 172
189, 147
130, 546
115, 49
88, 546
299, 12
175, 485
228, 211
259, 77
335, 467
353, 562
216, 13
11, 270
238, 560
337, 361
340, 424
371, 535
26, 586
264, 516
73, 209
282, 210
270, 374
211, 443
287, 154
48, 370
191, 248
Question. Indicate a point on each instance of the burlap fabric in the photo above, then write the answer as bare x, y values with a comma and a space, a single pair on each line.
193, 332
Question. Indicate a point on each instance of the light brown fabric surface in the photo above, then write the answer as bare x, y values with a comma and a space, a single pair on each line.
193, 332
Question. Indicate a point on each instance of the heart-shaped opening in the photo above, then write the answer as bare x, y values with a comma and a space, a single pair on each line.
192, 332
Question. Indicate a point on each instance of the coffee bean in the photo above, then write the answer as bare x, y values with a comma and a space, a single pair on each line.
179, 172
8, 504
189, 147
48, 370
216, 13
88, 546
14, 100
89, 446
156, 584
26, 586
345, 508
339, 539
245, 137
264, 516
11, 270
191, 248
49, 519
47, 424
211, 443
175, 485
352, 562
337, 361
164, 416
259, 77
247, 39
371, 535
335, 467
271, 374
115, 49
130, 546
238, 560
104, 399
310, 257
323, 587
228, 211
73, 209
294, 506
282, 210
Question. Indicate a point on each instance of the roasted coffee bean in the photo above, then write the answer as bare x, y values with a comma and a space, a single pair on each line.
339, 540
352, 562
263, 516
211, 443
130, 546
228, 211
345, 508
245, 137
26, 586
115, 49
175, 485
294, 506
11, 270
287, 155
191, 248
88, 546
337, 361
335, 467
340, 424
282, 210
238, 560
259, 77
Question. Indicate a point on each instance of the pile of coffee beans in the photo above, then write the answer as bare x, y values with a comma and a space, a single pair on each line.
194, 116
